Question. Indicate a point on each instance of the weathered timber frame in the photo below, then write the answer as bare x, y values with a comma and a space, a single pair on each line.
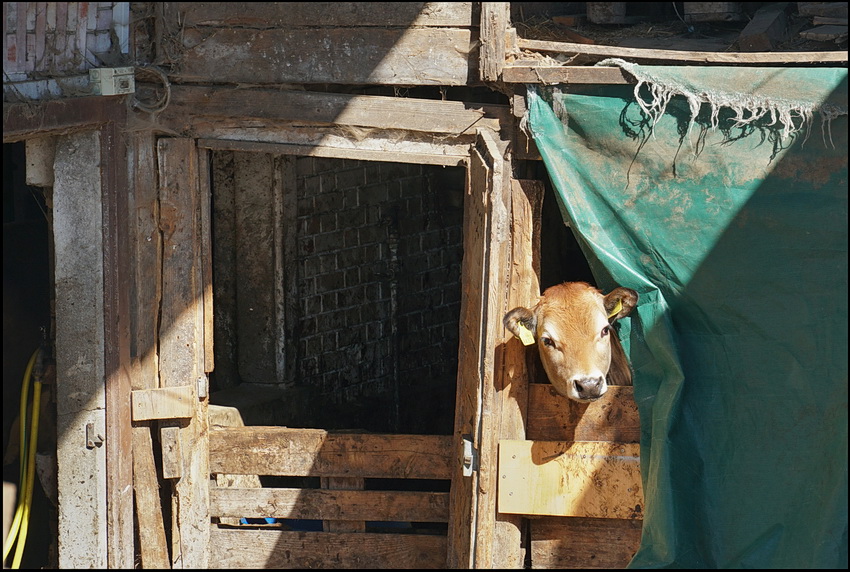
92, 348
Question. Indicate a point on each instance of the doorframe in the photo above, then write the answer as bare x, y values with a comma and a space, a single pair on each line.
111, 544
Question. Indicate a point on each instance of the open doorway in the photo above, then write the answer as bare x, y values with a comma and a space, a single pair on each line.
26, 324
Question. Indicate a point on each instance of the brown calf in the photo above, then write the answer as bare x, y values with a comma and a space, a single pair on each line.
571, 324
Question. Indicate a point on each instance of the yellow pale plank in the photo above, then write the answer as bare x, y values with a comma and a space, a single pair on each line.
164, 403
558, 478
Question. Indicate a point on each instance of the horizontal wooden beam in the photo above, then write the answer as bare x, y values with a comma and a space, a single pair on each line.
559, 543
315, 14
552, 417
548, 75
556, 478
187, 103
314, 452
753, 58
451, 157
25, 120
330, 504
165, 403
271, 549
379, 56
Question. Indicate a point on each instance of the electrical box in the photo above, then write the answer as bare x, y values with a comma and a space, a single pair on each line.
112, 81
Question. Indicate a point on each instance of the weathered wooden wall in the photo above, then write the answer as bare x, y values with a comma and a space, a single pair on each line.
365, 43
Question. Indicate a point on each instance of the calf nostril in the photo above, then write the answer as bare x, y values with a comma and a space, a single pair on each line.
588, 385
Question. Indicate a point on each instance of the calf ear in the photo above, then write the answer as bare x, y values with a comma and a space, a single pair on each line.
520, 318
619, 303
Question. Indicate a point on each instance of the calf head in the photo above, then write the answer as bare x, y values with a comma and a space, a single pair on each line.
571, 325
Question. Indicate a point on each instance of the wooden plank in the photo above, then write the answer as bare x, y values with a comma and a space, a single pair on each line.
502, 413
172, 453
187, 103
144, 368
398, 56
117, 277
146, 255
512, 376
312, 14
315, 452
552, 417
330, 504
821, 21
825, 33
682, 56
385, 151
343, 524
235, 548
564, 74
598, 543
152, 545
600, 480
511, 399
494, 23
830, 9
23, 120
166, 403
205, 200
181, 343
469, 384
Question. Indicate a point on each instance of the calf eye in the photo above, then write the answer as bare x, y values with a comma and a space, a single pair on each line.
606, 330
548, 342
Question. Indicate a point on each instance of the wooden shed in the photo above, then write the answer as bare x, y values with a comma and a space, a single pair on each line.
271, 247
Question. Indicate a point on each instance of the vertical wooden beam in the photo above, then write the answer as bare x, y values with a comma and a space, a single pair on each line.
495, 17
116, 277
503, 549
478, 413
181, 344
462, 500
204, 189
146, 296
511, 399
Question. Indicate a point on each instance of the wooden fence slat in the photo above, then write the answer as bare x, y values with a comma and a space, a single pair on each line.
552, 417
330, 504
235, 548
600, 543
314, 452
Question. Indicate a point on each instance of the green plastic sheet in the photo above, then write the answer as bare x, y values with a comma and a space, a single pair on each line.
720, 195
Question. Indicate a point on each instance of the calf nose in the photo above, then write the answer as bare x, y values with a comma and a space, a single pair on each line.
590, 387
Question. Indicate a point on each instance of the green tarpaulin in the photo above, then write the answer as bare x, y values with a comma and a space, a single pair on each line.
720, 195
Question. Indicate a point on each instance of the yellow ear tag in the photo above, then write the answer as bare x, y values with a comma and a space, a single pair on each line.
525, 335
616, 309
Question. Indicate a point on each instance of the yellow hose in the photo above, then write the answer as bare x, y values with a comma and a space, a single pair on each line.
20, 525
